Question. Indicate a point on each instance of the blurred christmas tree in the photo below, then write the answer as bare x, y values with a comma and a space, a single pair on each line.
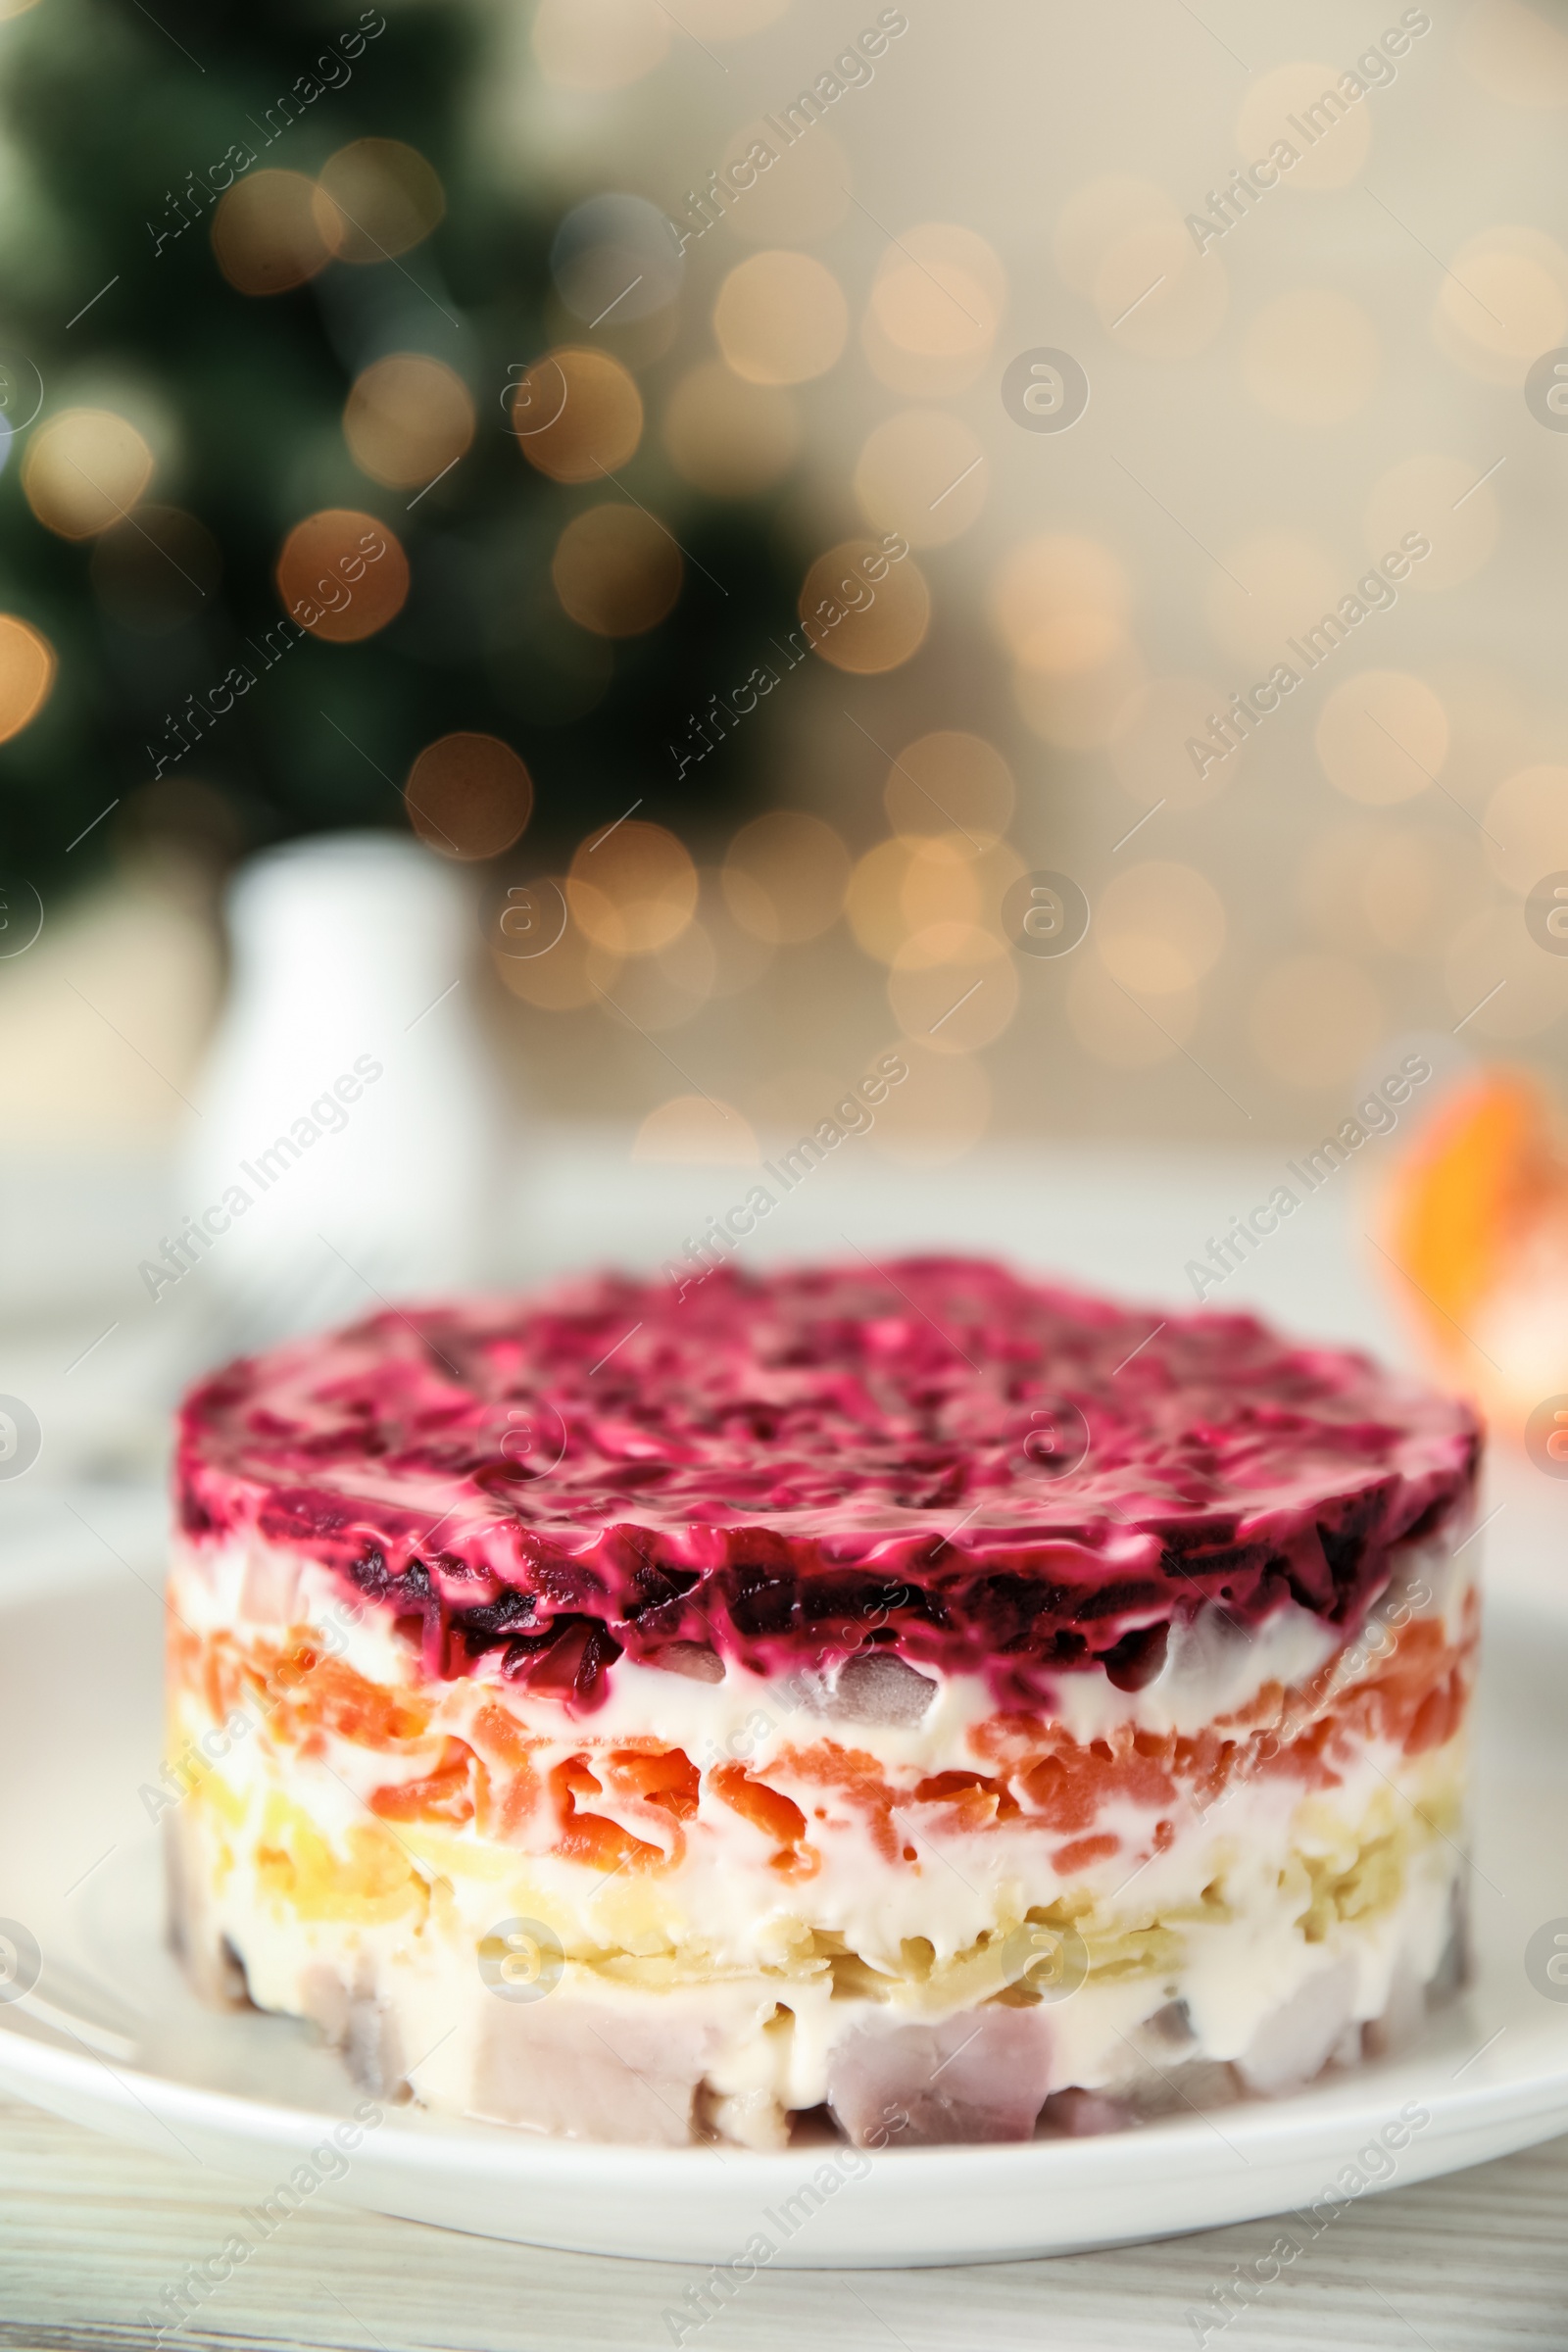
291, 490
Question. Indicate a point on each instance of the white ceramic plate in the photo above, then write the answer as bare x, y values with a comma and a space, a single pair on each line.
110, 2037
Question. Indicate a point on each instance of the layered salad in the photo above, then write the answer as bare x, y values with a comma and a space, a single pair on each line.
914, 1701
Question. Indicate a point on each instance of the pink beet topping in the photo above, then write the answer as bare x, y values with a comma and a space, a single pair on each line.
934, 1455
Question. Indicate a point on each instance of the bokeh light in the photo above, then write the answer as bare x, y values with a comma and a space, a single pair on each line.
616, 570
577, 415
922, 473
949, 782
469, 795
1060, 604
377, 198
728, 437
953, 986
1382, 736
26, 673
572, 972
632, 888
939, 292
781, 318
671, 985
1314, 1020
1525, 825
865, 612
599, 44
1515, 53
1312, 356
1081, 709
154, 571
785, 876
266, 233
408, 419
1502, 300
342, 576
84, 472
1387, 887
1159, 927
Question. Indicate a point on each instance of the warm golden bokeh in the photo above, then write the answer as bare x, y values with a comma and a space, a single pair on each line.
1159, 927
266, 233
377, 198
1083, 709
469, 795
408, 419
1502, 300
1515, 53
1312, 358
939, 292
949, 782
577, 415
951, 883
26, 673
1116, 1027
785, 876
1526, 822
1386, 887
84, 470
862, 611
781, 318
1060, 604
1382, 736
953, 986
342, 576
728, 437
923, 474
632, 888
616, 570
599, 44
571, 973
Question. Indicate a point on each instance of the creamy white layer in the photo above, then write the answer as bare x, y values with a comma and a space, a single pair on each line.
1269, 1922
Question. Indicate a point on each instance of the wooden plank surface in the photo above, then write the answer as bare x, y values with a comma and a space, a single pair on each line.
91, 2233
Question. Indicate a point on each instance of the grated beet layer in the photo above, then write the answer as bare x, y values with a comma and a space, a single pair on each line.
936, 1455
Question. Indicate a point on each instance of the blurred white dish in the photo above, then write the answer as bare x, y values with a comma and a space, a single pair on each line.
345, 1150
112, 2038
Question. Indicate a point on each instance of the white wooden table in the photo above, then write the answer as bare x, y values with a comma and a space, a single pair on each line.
90, 2234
